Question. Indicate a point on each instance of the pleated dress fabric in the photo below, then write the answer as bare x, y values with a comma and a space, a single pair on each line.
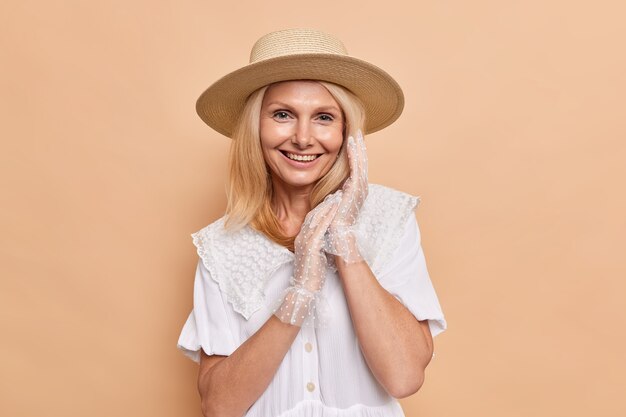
324, 373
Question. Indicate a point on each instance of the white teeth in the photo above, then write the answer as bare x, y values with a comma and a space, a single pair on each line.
305, 158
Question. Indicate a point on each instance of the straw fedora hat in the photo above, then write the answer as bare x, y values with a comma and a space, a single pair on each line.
301, 54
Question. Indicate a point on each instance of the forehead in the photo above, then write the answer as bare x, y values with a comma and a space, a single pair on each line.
304, 92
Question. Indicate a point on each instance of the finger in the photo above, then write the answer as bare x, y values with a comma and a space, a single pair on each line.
311, 219
318, 214
359, 156
362, 183
352, 156
327, 209
362, 153
325, 222
315, 215
363, 159
333, 196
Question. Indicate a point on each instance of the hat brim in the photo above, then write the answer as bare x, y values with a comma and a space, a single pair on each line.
220, 105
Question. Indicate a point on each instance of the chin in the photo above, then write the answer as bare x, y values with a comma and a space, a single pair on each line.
299, 180
300, 183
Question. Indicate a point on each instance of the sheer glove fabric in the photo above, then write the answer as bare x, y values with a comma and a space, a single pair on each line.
341, 239
302, 303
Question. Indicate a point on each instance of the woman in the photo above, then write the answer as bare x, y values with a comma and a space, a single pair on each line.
311, 295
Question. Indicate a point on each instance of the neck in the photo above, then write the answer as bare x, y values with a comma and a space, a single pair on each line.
291, 205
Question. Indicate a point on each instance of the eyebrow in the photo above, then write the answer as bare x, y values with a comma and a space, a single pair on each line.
321, 108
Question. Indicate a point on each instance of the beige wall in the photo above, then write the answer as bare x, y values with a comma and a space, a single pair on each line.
513, 135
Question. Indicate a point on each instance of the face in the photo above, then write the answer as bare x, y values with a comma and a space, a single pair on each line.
301, 131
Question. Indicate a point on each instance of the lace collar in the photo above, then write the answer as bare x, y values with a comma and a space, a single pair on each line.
242, 262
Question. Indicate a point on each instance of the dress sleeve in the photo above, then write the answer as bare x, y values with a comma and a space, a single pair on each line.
406, 278
209, 324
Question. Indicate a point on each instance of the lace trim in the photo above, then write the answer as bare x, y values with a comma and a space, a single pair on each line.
242, 262
387, 213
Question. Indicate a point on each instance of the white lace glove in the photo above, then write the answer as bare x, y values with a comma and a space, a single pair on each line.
341, 239
302, 304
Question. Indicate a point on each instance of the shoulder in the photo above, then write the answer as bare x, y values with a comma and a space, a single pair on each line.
240, 261
212, 232
214, 228
381, 197
383, 221
215, 242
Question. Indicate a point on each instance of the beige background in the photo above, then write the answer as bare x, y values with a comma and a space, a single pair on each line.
513, 134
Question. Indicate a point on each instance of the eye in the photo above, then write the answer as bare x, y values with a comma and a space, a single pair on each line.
280, 114
327, 117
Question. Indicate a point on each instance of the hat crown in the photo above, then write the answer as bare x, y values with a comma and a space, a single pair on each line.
295, 41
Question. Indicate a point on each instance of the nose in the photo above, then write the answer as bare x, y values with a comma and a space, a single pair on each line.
302, 137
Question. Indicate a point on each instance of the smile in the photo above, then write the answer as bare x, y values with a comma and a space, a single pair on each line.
300, 158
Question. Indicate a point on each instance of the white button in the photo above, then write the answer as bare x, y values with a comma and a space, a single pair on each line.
308, 347
310, 386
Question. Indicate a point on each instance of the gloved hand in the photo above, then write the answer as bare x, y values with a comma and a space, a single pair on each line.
301, 304
341, 239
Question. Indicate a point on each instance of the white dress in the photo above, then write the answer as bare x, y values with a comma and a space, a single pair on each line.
324, 373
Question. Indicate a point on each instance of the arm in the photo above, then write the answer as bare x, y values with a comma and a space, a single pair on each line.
230, 385
396, 346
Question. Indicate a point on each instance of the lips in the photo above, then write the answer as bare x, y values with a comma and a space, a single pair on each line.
301, 157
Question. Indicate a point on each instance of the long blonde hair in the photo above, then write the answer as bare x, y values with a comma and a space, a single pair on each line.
249, 188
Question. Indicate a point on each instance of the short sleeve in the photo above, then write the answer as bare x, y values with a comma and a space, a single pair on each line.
208, 324
406, 278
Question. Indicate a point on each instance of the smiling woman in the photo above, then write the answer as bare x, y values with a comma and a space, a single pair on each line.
293, 118
311, 296
300, 138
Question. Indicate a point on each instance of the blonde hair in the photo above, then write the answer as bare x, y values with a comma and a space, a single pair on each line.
249, 188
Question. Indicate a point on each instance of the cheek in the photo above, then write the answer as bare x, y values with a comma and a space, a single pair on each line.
339, 143
266, 157
269, 136
333, 145
264, 132
330, 139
